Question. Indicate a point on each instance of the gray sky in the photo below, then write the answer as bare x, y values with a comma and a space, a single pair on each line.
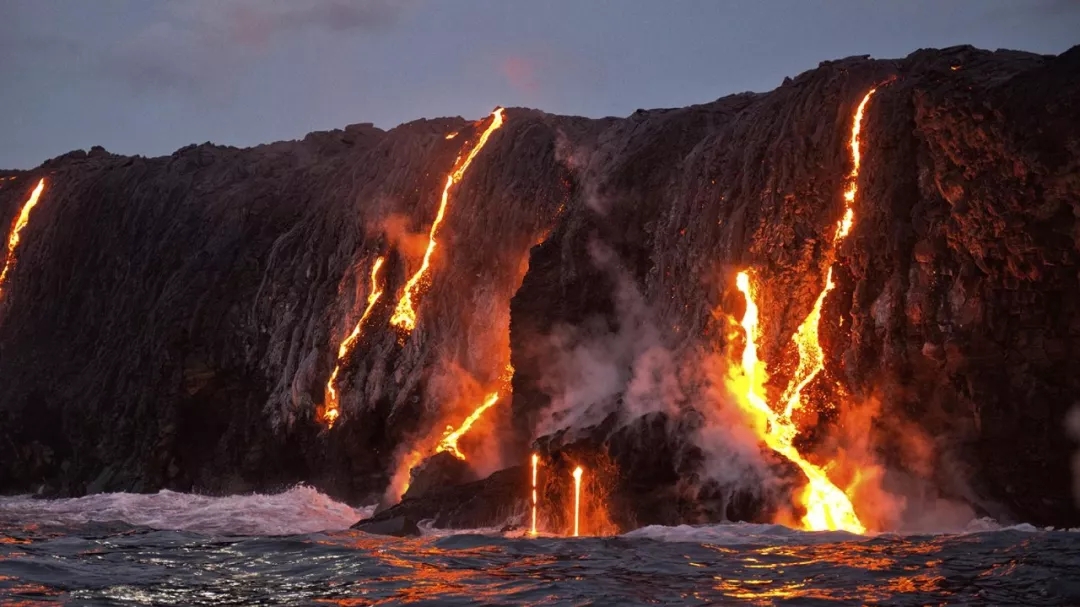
146, 77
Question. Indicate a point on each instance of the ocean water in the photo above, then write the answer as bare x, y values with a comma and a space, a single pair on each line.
295, 548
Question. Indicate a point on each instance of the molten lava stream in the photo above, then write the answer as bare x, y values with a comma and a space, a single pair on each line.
16, 230
806, 338
577, 500
450, 438
449, 442
535, 463
827, 507
404, 316
331, 409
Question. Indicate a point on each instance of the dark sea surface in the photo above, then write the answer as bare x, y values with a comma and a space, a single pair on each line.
295, 549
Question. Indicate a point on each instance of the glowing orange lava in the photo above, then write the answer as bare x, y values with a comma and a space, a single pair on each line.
405, 313
535, 463
811, 356
331, 409
13, 236
449, 442
827, 507
856, 163
577, 498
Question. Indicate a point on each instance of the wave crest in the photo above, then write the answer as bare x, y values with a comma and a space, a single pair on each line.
299, 510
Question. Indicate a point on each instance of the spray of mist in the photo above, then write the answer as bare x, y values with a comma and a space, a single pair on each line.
590, 366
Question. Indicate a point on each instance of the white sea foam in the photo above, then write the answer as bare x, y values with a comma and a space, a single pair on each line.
746, 534
733, 534
427, 529
303, 509
299, 510
987, 524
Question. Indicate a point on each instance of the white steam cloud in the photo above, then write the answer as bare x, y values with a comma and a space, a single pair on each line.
594, 370
733, 452
589, 367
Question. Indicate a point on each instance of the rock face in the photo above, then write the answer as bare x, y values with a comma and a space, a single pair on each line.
397, 527
172, 322
492, 501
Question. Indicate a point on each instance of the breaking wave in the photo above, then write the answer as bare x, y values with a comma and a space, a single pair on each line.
746, 534
303, 510
197, 550
299, 510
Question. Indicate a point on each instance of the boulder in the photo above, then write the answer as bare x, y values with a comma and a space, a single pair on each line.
398, 526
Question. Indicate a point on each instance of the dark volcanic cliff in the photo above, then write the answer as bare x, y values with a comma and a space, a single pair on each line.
171, 322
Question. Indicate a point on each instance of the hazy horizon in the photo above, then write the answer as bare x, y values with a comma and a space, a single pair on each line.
148, 78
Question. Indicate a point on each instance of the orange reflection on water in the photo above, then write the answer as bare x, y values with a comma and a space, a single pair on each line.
419, 572
862, 557
36, 594
883, 590
919, 583
761, 584
766, 592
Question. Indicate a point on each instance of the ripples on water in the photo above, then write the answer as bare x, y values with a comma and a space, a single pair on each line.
176, 549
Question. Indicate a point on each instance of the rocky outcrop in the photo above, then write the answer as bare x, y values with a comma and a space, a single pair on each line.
399, 526
483, 503
171, 322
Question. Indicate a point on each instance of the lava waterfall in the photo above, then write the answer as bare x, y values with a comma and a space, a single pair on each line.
847, 303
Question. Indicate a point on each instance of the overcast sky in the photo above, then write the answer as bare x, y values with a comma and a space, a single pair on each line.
146, 77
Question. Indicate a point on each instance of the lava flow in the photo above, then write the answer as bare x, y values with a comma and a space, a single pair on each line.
535, 463
827, 507
13, 236
405, 313
449, 442
811, 356
331, 409
577, 498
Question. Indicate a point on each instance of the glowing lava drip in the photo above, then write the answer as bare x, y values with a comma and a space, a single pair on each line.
827, 507
535, 463
577, 498
331, 410
405, 313
13, 236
